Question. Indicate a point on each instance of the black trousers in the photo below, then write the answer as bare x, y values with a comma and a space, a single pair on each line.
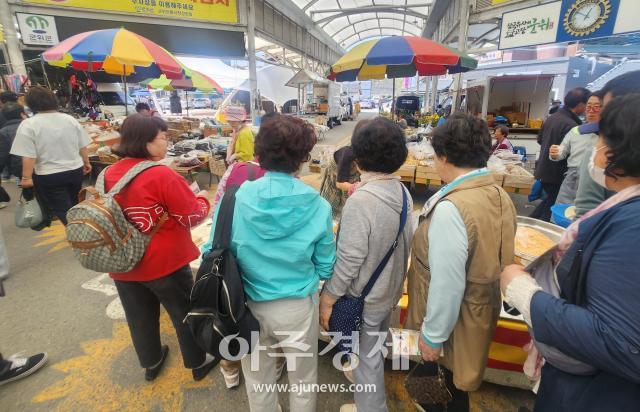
543, 210
141, 302
460, 401
58, 192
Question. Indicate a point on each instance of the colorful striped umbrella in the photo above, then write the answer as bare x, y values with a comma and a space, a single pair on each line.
399, 56
115, 51
193, 80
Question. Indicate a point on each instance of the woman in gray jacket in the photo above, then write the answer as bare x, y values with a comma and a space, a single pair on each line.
368, 229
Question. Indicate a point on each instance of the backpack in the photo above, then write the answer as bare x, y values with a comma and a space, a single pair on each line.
219, 313
100, 235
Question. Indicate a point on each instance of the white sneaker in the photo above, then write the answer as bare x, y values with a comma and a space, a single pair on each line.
3, 205
232, 380
348, 407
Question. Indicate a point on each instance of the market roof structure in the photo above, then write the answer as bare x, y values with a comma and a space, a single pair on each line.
352, 21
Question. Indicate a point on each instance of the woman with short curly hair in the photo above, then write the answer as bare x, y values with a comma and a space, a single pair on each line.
282, 237
368, 229
464, 240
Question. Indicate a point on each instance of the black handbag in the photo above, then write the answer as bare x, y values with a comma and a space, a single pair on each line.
219, 316
426, 384
346, 317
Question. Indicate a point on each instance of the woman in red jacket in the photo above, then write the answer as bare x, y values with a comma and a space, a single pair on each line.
163, 276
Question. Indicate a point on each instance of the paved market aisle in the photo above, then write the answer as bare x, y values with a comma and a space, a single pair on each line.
55, 305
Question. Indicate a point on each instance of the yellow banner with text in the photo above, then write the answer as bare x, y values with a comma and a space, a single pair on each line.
219, 11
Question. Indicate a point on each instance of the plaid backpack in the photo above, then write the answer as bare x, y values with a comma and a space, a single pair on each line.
99, 233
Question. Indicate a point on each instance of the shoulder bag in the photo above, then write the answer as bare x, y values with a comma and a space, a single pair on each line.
347, 315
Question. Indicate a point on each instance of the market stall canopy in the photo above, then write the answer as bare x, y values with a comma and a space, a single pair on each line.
399, 56
114, 51
271, 80
304, 77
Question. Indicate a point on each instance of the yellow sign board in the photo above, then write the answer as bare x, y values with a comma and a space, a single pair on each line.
222, 11
494, 2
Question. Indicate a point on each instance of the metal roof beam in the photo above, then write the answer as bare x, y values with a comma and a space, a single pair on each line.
381, 28
377, 6
311, 3
349, 12
370, 19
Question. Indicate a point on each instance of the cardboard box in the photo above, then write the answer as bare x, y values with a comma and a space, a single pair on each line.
406, 172
517, 190
429, 182
518, 177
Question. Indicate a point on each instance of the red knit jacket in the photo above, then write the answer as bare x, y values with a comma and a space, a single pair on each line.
151, 194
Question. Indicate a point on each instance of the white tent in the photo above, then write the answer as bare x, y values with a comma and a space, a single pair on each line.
271, 82
304, 77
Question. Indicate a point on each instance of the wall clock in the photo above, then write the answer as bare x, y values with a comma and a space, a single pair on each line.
586, 16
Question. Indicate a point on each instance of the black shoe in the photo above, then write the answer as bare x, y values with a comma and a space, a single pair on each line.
152, 373
201, 372
19, 367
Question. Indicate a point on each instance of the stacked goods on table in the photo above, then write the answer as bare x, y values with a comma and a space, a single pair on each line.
507, 171
103, 137
517, 180
181, 125
407, 171
421, 157
426, 174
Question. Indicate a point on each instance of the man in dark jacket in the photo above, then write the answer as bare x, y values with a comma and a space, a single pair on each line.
14, 115
551, 173
6, 97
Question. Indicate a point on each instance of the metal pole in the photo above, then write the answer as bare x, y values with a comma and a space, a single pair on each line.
126, 92
186, 99
463, 32
393, 101
14, 54
434, 93
44, 72
251, 51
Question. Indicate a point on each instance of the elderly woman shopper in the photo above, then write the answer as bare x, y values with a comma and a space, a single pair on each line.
241, 146
574, 147
596, 320
161, 204
282, 237
368, 229
53, 147
464, 240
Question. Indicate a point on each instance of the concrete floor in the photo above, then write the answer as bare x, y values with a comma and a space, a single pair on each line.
55, 305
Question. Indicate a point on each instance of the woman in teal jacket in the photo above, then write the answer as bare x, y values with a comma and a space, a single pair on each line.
282, 236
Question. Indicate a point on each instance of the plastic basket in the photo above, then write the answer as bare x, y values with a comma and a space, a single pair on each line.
558, 215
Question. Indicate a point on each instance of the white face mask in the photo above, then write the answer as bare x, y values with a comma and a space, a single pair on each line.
596, 173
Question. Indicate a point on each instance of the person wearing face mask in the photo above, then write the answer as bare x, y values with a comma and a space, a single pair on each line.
590, 194
597, 320
574, 147
159, 203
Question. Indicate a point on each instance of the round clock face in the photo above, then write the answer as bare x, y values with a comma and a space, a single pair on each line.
586, 16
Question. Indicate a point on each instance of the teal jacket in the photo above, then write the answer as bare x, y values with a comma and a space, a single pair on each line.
282, 236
